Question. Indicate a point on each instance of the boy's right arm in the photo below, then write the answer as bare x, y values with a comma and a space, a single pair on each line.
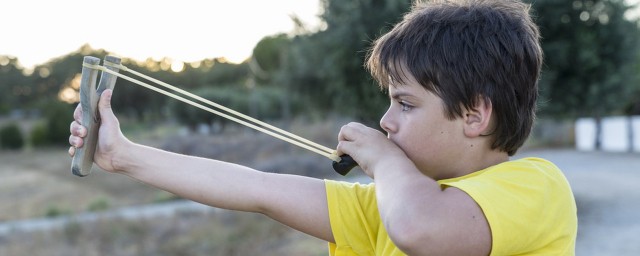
296, 201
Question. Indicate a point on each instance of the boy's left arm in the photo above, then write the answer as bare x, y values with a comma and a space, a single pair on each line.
419, 216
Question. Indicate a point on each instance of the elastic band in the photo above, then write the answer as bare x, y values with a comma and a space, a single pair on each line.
281, 134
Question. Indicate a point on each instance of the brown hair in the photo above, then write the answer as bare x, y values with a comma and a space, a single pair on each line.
464, 50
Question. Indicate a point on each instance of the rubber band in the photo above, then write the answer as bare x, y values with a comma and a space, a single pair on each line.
281, 134
211, 103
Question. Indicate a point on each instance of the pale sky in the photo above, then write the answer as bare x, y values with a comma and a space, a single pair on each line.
35, 31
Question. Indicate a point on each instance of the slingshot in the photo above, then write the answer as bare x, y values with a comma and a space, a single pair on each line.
89, 95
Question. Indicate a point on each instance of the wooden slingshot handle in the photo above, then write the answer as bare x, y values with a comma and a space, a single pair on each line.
89, 96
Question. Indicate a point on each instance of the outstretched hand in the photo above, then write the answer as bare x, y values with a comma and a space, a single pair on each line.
368, 147
110, 138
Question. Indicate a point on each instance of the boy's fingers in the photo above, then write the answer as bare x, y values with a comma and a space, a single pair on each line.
346, 147
77, 114
346, 133
76, 141
77, 129
351, 131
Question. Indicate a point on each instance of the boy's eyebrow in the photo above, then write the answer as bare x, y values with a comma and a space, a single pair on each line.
397, 95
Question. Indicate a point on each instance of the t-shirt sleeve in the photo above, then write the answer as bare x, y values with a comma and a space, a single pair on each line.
527, 208
354, 226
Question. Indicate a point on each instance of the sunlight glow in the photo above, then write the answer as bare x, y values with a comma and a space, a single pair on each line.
70, 93
165, 64
195, 64
4, 61
151, 65
75, 82
44, 72
177, 66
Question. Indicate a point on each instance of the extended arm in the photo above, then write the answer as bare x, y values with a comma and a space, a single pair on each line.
296, 201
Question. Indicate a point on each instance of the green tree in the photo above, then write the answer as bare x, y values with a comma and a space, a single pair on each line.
268, 69
12, 84
268, 56
130, 99
326, 67
591, 52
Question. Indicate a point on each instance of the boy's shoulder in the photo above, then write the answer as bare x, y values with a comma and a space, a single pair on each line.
517, 193
516, 169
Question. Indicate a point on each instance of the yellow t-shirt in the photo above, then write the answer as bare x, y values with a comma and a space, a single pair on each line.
527, 202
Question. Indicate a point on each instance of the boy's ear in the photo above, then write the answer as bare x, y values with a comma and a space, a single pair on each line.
477, 120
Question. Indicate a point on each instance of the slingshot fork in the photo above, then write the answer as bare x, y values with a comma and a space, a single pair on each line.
89, 95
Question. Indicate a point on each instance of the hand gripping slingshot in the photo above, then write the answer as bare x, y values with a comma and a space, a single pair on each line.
83, 159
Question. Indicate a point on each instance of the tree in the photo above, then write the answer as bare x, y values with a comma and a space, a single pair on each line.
12, 84
590, 49
266, 64
268, 57
135, 101
327, 67
590, 53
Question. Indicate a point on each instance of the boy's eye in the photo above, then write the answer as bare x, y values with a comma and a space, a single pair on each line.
404, 106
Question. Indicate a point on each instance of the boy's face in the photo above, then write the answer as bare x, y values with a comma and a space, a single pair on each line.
416, 122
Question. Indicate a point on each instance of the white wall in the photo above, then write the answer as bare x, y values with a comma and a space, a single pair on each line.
615, 134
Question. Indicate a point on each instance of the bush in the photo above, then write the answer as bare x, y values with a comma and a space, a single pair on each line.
39, 135
55, 131
11, 137
55, 211
4, 108
99, 204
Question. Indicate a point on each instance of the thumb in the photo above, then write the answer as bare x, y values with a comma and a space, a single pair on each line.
104, 106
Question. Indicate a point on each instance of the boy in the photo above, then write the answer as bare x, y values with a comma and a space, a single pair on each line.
462, 79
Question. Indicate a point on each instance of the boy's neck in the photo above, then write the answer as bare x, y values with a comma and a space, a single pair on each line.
471, 163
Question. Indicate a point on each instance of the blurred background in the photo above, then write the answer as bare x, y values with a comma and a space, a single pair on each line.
299, 66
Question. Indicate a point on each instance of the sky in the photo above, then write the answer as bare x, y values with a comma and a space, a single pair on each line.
36, 31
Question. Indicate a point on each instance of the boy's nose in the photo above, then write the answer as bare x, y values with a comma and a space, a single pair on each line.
386, 123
